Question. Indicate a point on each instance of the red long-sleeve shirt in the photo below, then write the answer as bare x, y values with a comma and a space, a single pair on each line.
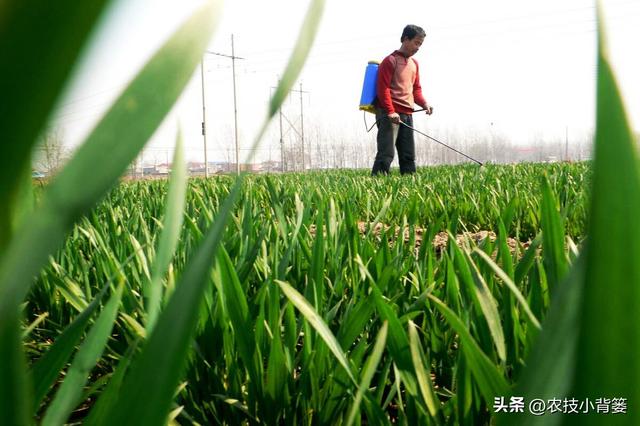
398, 86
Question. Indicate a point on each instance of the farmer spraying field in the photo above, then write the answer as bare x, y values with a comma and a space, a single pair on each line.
390, 91
397, 90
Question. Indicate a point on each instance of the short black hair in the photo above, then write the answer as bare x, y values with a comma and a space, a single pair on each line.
412, 31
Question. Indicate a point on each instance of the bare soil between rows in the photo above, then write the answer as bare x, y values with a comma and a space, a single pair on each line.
440, 240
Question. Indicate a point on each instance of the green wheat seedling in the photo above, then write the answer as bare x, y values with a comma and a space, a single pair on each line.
29, 236
320, 297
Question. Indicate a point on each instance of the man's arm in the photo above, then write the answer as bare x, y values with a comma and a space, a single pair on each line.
383, 89
418, 97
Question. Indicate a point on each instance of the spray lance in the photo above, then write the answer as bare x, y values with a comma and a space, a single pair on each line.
367, 99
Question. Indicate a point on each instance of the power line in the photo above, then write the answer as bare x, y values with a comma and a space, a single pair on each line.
74, 101
459, 25
349, 52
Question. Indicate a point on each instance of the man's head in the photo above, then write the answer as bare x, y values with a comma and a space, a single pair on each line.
411, 39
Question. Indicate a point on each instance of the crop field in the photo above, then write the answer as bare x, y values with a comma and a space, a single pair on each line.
378, 315
461, 295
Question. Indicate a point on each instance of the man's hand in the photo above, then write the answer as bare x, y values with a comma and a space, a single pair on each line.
394, 117
428, 108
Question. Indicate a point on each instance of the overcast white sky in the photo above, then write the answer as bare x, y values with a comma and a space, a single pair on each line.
524, 69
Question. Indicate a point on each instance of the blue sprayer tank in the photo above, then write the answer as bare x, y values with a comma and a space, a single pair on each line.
369, 87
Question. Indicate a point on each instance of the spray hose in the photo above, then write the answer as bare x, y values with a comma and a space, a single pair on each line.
423, 134
378, 120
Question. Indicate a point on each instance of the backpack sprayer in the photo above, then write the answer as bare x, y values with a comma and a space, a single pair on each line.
369, 87
367, 104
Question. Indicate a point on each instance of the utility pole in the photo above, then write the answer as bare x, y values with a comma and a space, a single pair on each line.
281, 134
235, 106
281, 142
302, 126
566, 143
204, 125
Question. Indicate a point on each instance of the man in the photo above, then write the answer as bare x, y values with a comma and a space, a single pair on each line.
398, 89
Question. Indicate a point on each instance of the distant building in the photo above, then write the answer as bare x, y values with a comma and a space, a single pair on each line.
163, 169
271, 166
148, 170
253, 167
196, 168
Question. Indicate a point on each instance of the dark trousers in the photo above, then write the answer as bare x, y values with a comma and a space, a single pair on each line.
391, 137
